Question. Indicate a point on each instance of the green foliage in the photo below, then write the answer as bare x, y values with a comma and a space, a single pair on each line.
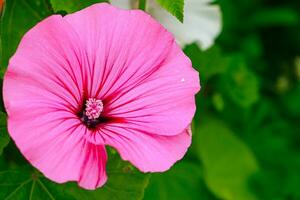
169, 185
142, 4
228, 162
175, 7
4, 138
72, 5
277, 16
239, 83
218, 102
17, 18
24, 185
291, 100
262, 110
236, 80
209, 63
124, 182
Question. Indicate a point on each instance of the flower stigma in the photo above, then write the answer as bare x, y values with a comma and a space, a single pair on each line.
93, 108
91, 114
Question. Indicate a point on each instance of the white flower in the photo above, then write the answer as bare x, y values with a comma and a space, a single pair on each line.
202, 21
125, 4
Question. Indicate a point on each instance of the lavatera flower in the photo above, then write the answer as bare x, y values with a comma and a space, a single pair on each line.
101, 76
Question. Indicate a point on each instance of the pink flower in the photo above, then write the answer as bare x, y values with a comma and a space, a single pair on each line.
101, 76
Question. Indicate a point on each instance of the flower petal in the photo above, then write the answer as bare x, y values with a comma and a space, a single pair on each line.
46, 69
164, 104
57, 148
123, 52
93, 172
149, 153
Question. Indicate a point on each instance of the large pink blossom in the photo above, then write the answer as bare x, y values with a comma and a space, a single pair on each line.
101, 76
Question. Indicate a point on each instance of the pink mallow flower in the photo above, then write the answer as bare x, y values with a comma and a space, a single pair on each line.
101, 76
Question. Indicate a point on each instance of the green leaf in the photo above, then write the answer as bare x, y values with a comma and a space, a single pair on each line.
291, 100
169, 185
124, 182
209, 63
228, 162
218, 101
142, 4
27, 184
275, 17
175, 7
235, 80
239, 83
18, 17
4, 138
72, 5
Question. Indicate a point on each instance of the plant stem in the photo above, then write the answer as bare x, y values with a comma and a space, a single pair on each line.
142, 4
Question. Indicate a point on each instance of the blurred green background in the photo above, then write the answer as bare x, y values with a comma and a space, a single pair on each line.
246, 131
246, 135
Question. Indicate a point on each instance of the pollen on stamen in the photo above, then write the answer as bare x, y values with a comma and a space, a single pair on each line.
93, 108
